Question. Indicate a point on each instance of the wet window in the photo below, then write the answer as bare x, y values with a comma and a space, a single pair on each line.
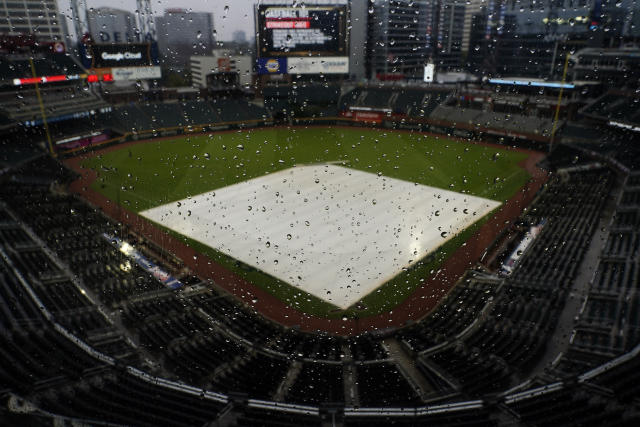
346, 213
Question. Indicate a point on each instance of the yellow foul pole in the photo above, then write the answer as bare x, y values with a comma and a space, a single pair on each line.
555, 118
42, 112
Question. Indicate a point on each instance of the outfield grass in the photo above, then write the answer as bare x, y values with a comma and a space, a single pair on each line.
154, 173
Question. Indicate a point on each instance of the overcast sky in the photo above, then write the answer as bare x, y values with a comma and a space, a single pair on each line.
228, 15
238, 16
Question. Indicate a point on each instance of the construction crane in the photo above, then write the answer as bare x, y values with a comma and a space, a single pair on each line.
145, 19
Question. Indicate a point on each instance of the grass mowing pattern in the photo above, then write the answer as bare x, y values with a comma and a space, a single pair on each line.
155, 173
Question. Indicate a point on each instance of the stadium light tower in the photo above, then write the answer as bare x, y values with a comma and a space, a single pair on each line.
145, 18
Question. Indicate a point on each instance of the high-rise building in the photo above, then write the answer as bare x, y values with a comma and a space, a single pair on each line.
40, 18
472, 7
404, 35
221, 61
400, 34
448, 37
108, 25
358, 40
182, 34
529, 38
239, 36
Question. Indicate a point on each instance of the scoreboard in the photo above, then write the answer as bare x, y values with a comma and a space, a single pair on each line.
286, 31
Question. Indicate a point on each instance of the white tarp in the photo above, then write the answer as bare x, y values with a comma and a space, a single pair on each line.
335, 232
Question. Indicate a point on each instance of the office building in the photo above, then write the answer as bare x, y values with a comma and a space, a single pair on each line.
40, 18
221, 61
400, 35
108, 25
449, 39
182, 34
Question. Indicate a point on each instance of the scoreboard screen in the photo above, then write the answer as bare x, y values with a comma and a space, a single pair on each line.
318, 30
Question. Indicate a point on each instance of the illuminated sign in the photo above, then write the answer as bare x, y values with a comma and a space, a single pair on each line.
318, 65
565, 21
272, 65
532, 83
120, 55
624, 126
301, 31
135, 73
47, 79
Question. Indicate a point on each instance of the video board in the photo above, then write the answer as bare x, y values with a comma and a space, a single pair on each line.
121, 55
318, 30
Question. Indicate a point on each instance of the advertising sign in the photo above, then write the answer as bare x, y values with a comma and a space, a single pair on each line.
318, 65
272, 65
135, 73
364, 116
120, 55
81, 141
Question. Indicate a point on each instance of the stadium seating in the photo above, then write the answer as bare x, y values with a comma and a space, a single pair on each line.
617, 105
62, 281
457, 311
411, 102
300, 95
382, 384
50, 64
317, 382
142, 118
609, 324
59, 102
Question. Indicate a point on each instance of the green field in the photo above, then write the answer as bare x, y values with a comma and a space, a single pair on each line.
158, 172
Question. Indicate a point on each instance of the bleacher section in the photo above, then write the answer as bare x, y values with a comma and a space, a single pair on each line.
300, 95
441, 107
524, 306
139, 118
618, 106
492, 120
49, 64
60, 101
412, 102
609, 325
